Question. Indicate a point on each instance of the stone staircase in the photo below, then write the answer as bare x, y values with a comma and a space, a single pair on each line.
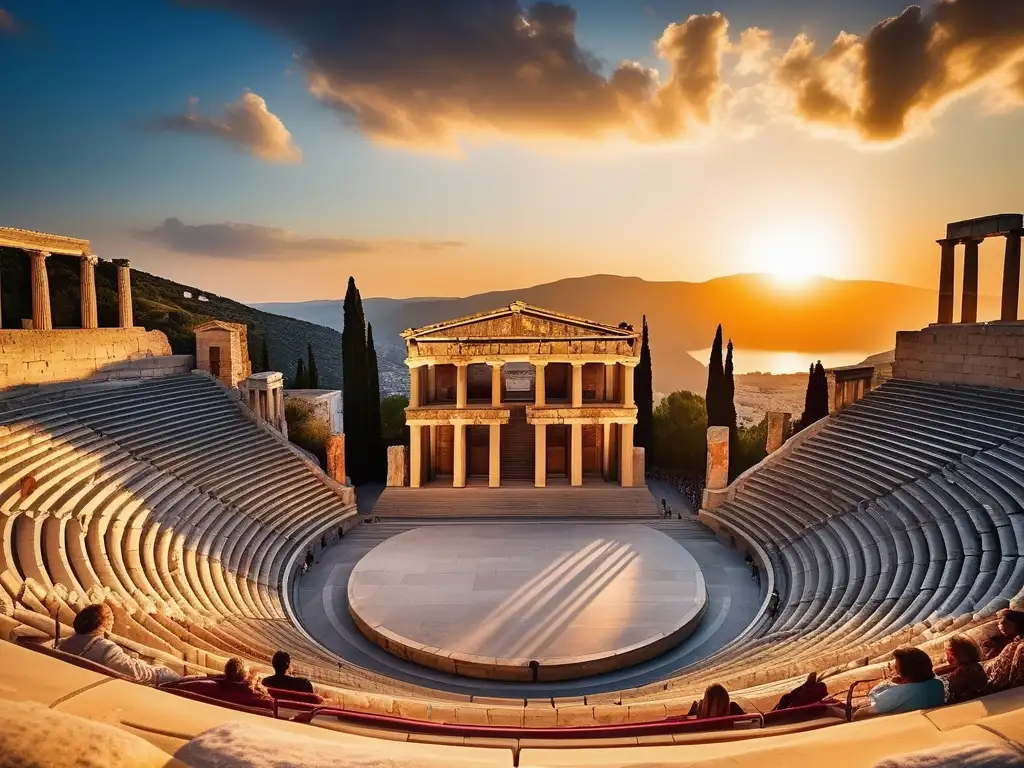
517, 446
603, 500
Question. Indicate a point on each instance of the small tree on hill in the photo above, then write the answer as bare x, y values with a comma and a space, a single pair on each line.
300, 375
312, 376
643, 393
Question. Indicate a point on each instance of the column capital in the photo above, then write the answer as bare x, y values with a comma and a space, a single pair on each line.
539, 363
40, 254
461, 364
126, 263
91, 259
948, 241
577, 363
1014, 233
495, 363
969, 241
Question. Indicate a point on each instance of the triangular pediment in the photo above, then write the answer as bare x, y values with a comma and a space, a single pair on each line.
519, 321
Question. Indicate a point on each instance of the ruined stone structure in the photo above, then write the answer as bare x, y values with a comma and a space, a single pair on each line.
521, 393
850, 384
970, 233
398, 467
778, 428
264, 393
336, 458
222, 350
326, 404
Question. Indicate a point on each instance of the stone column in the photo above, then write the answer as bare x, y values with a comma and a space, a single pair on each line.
576, 454
627, 385
1011, 276
778, 425
540, 455
577, 385
461, 385
946, 269
538, 384
494, 460
431, 384
87, 290
124, 293
495, 384
459, 459
606, 450
336, 457
432, 452
969, 304
609, 383
415, 453
717, 476
415, 376
41, 320
626, 455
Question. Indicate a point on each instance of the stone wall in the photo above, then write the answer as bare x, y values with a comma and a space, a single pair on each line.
47, 357
978, 354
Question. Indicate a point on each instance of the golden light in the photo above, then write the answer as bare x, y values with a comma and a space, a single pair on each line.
792, 252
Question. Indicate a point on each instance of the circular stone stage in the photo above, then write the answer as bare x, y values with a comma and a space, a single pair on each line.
552, 601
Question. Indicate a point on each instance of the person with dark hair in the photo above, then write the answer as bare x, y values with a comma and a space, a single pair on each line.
281, 680
1007, 669
810, 691
773, 605
310, 558
965, 677
91, 624
714, 703
914, 687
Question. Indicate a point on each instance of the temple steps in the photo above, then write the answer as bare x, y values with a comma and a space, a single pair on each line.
517, 447
599, 500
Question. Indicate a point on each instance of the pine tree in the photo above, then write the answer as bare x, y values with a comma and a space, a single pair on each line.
715, 394
643, 394
375, 434
808, 398
312, 376
816, 399
300, 375
354, 386
264, 354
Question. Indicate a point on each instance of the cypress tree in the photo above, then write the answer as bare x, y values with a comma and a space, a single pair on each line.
375, 434
729, 411
354, 386
643, 393
300, 375
312, 376
715, 394
816, 399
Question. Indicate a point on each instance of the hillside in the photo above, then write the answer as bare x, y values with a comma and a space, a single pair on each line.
820, 316
162, 305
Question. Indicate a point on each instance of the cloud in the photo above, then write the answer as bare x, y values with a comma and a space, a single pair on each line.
889, 83
253, 242
412, 72
754, 48
246, 123
8, 24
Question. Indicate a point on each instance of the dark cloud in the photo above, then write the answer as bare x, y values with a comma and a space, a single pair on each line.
906, 67
252, 242
246, 123
424, 72
8, 24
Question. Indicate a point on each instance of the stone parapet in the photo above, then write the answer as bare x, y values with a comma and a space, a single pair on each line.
979, 354
48, 357
482, 415
603, 413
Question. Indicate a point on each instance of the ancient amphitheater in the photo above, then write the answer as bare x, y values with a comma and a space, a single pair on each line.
164, 487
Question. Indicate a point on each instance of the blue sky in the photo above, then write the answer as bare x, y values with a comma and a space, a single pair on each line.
85, 83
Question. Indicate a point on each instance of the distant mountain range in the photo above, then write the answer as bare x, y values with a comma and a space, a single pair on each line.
757, 312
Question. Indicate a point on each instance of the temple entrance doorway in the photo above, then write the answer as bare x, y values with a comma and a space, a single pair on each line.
477, 450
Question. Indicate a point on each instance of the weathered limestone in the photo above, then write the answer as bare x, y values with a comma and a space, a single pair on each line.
717, 476
985, 355
459, 449
222, 350
264, 393
461, 385
415, 377
47, 357
494, 456
778, 426
539, 385
398, 467
326, 405
87, 288
336, 458
947, 268
576, 454
626, 455
124, 293
495, 384
639, 466
577, 385
415, 456
540, 455
41, 320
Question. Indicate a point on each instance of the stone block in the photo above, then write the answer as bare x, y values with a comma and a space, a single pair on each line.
718, 458
336, 458
639, 470
398, 466
778, 426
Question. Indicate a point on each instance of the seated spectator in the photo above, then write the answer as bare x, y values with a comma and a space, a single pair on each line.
914, 687
238, 685
810, 691
965, 676
716, 703
281, 680
1007, 669
91, 625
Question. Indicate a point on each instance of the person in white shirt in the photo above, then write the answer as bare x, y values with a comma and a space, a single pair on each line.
91, 625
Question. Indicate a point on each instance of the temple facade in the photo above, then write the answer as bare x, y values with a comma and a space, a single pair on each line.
521, 395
